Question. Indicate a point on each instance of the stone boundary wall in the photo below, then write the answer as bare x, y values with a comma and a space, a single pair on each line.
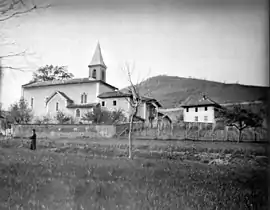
56, 131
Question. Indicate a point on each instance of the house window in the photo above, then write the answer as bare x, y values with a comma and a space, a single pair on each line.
32, 102
196, 118
94, 74
114, 103
103, 75
205, 108
205, 118
187, 109
78, 113
103, 103
57, 106
196, 109
85, 98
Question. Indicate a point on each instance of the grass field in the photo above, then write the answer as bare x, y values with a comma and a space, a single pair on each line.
83, 174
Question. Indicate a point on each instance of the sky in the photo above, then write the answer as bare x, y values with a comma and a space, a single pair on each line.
220, 40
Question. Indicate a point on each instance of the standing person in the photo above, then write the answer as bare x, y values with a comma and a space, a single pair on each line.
33, 138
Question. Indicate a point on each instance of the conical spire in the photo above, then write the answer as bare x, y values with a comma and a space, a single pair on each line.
97, 57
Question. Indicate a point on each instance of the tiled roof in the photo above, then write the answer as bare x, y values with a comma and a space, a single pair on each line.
97, 57
114, 94
193, 101
64, 82
90, 105
119, 94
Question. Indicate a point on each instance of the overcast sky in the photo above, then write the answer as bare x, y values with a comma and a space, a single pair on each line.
221, 40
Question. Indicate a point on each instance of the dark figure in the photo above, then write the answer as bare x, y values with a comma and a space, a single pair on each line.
33, 140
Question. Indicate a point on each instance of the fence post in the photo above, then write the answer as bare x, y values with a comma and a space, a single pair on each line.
225, 133
186, 131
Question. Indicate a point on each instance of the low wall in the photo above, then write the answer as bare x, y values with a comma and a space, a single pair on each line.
52, 131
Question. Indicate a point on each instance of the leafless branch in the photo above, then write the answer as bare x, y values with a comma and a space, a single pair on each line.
13, 55
17, 69
17, 13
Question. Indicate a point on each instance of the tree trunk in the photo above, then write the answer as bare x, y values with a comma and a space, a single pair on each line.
130, 137
240, 136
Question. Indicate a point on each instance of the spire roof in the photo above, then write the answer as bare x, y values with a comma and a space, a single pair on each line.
97, 58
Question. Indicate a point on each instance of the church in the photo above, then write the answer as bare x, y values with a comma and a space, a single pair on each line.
75, 97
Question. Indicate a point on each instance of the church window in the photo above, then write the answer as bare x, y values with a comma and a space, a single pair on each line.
82, 96
78, 113
94, 74
103, 103
32, 102
114, 103
103, 76
57, 106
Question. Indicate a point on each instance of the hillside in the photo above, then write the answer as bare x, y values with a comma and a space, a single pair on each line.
172, 90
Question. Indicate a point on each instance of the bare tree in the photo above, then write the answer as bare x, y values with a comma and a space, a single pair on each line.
10, 9
136, 99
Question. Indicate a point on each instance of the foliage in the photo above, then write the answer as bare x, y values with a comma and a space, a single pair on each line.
43, 120
240, 118
50, 72
62, 118
99, 116
20, 112
180, 118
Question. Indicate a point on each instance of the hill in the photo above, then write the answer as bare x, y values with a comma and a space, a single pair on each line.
171, 91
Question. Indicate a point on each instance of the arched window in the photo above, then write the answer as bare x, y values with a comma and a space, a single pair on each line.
32, 102
57, 106
85, 98
78, 113
103, 75
82, 96
94, 74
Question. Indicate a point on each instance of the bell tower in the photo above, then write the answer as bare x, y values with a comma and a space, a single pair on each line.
97, 67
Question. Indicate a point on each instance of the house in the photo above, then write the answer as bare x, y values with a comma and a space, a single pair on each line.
2, 124
117, 100
199, 109
77, 96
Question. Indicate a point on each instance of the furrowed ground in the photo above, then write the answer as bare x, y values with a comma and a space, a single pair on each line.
88, 174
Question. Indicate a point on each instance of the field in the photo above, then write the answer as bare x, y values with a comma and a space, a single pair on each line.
84, 174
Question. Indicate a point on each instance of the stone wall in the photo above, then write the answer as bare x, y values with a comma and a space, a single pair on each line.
56, 131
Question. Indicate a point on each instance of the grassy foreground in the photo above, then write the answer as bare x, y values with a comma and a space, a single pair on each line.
99, 176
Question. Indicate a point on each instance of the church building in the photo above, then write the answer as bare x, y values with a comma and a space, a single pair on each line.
76, 97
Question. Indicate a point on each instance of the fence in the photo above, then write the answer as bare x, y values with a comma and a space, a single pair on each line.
199, 131
64, 131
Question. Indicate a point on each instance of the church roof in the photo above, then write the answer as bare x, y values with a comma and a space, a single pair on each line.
97, 58
65, 82
62, 94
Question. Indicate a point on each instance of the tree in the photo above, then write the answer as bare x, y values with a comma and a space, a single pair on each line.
50, 72
62, 118
10, 9
135, 101
20, 112
240, 118
99, 116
